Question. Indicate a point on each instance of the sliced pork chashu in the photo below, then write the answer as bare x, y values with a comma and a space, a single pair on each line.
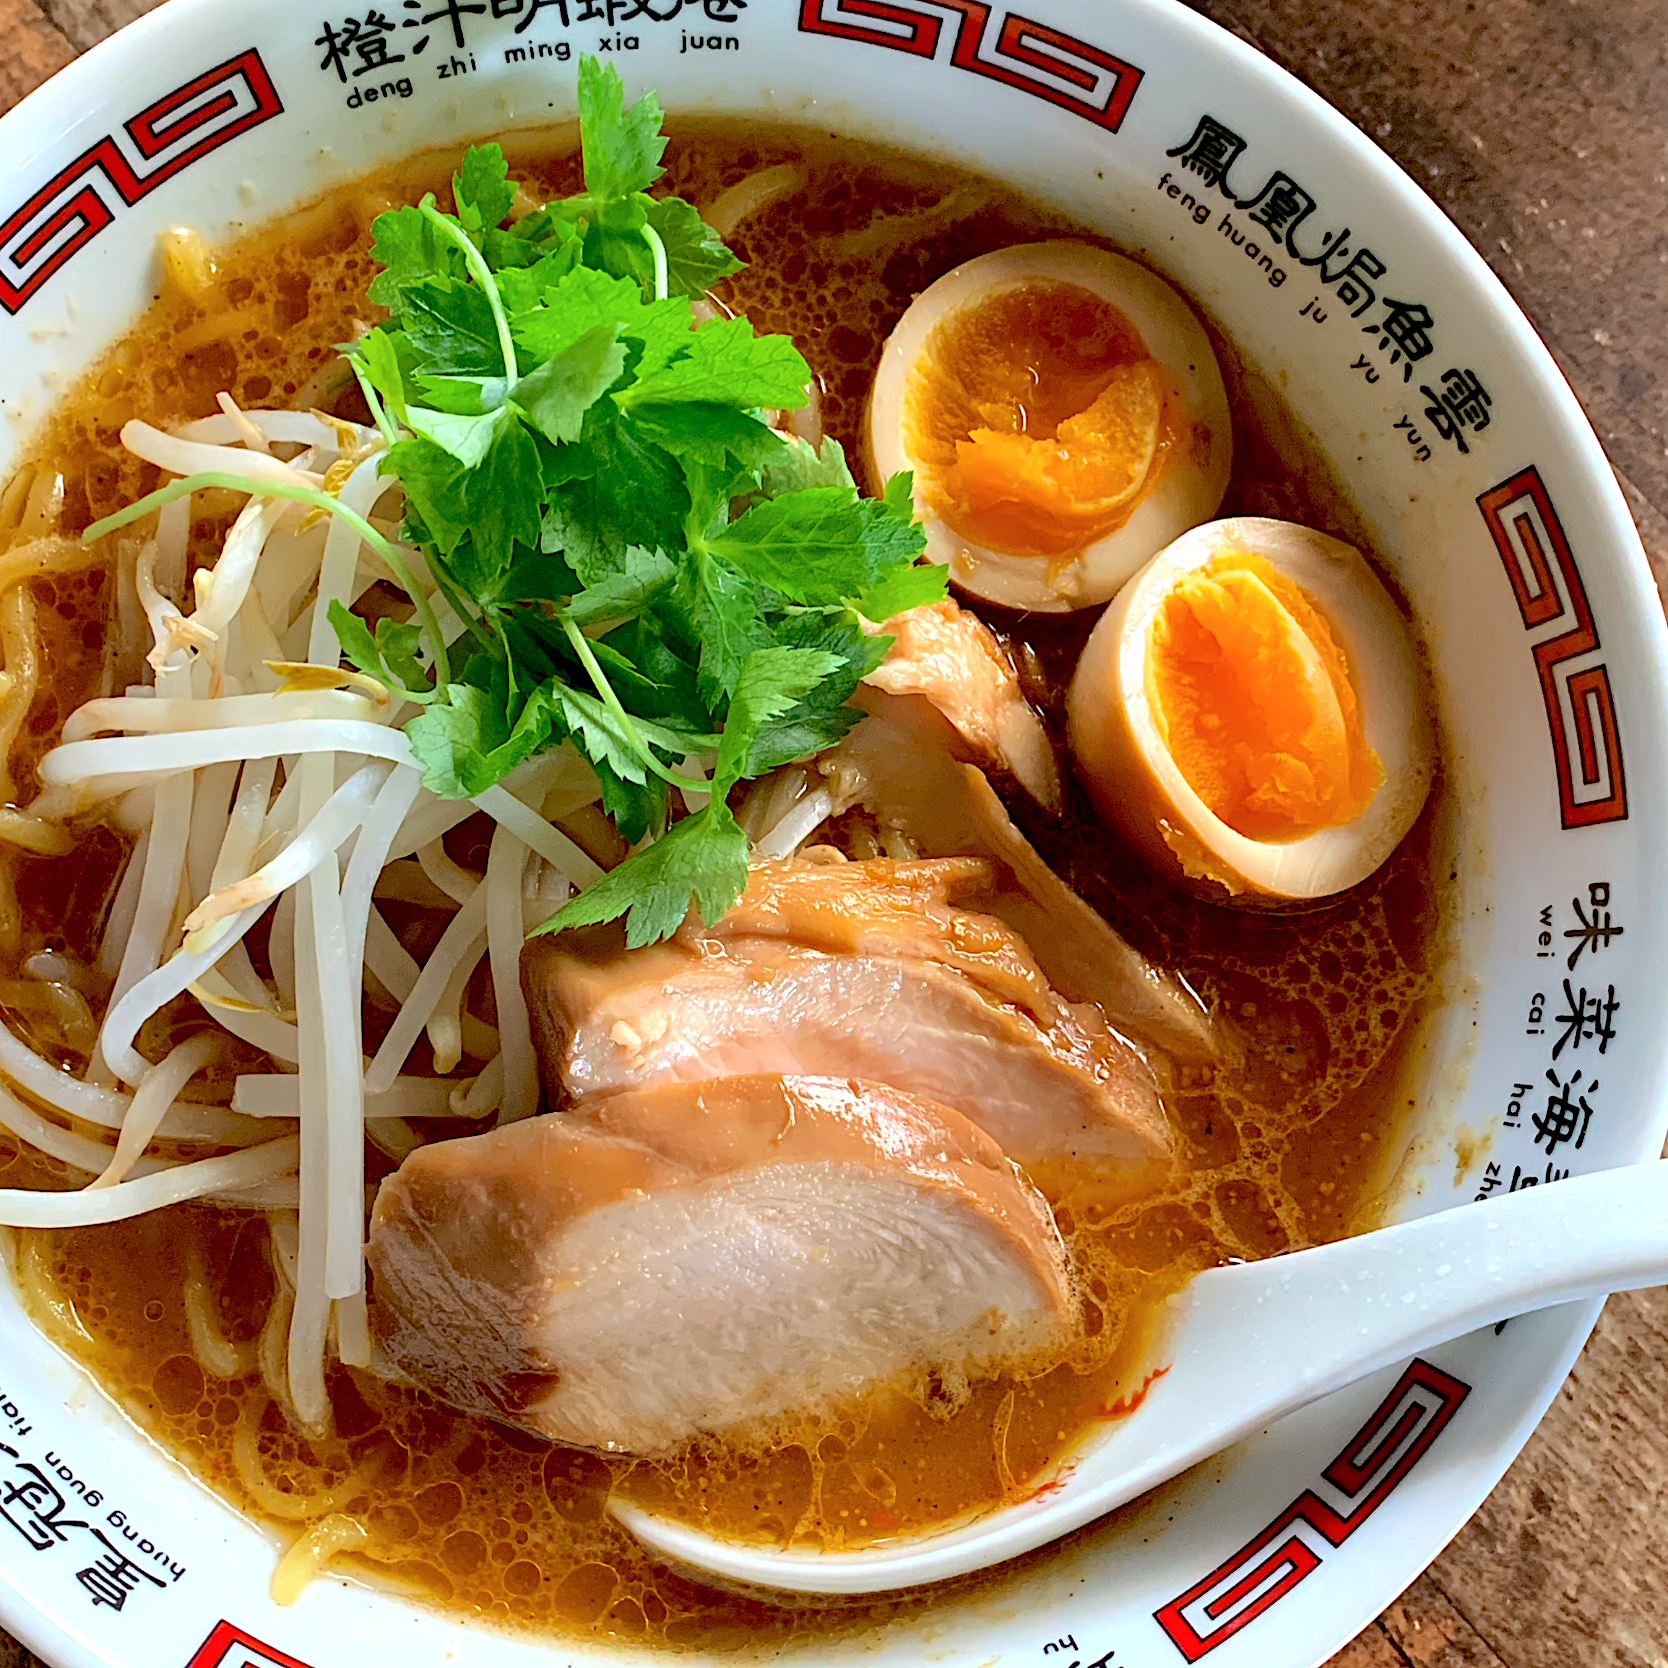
873, 970
679, 1260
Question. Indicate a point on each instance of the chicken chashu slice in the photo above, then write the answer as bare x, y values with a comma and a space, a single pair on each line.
951, 661
894, 765
872, 969
684, 1259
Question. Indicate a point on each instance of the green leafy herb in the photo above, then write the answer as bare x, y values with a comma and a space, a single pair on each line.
724, 364
640, 564
622, 145
704, 857
695, 258
555, 396
482, 189
389, 653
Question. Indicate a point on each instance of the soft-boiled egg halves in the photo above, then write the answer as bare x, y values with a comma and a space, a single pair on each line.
1250, 712
1064, 416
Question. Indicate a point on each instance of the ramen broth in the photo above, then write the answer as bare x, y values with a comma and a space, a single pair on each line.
1292, 1143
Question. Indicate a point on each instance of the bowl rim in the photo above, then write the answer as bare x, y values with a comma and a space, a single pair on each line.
79, 88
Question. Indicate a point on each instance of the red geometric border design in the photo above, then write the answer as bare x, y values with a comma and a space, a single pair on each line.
73, 207
1293, 1546
1002, 46
230, 1647
1580, 710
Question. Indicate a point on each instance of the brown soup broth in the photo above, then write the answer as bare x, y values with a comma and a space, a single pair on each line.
1290, 1145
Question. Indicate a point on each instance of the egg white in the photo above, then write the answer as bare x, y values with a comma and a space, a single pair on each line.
1191, 479
1117, 737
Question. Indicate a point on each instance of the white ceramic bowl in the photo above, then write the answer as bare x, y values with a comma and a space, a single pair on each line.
1502, 523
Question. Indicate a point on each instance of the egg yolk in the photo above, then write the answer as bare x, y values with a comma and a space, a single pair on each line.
1256, 704
1037, 417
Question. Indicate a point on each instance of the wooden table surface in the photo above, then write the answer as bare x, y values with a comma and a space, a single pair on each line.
1542, 127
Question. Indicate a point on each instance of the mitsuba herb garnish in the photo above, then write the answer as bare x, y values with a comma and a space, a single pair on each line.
641, 564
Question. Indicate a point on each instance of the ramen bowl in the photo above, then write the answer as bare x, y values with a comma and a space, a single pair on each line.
1392, 348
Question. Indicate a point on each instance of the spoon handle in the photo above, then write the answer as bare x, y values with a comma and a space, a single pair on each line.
1299, 1326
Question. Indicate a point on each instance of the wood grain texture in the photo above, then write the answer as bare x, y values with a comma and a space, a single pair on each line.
1427, 1631
30, 50
1542, 127
85, 23
1564, 1565
13, 1655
